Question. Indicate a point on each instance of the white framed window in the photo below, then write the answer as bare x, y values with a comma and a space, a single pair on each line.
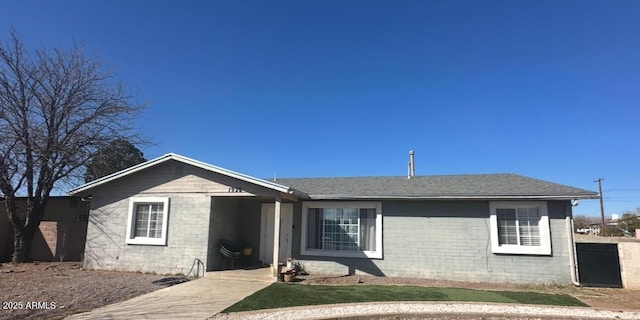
147, 221
342, 229
520, 227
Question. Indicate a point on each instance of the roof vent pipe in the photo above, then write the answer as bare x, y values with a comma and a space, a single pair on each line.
412, 165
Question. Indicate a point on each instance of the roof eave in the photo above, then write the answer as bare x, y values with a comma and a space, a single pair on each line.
450, 197
116, 175
183, 159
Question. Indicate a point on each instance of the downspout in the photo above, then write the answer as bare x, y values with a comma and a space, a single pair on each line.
572, 245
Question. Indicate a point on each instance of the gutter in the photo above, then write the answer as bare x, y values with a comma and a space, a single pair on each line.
575, 279
446, 197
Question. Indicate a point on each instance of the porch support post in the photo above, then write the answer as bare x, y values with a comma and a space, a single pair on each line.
276, 237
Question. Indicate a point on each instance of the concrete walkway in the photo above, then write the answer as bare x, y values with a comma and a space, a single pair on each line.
197, 299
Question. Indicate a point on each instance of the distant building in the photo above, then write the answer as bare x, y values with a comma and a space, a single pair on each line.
592, 229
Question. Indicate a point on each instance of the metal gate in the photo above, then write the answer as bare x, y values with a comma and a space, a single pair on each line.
599, 265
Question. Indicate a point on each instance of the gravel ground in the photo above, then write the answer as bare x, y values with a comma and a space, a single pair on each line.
50, 290
430, 311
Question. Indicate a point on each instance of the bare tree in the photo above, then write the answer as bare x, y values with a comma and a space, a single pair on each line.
630, 221
57, 108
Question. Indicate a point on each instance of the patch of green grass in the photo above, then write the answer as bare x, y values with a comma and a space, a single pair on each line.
280, 295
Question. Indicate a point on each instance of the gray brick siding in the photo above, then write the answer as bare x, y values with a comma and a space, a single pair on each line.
196, 221
188, 224
187, 234
450, 241
431, 239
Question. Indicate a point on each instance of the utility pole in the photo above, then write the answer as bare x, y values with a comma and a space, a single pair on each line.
603, 230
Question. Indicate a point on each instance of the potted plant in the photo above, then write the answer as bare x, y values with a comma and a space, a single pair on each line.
289, 275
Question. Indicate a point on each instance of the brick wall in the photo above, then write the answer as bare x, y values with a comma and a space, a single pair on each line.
66, 210
59, 241
200, 202
187, 235
629, 253
450, 240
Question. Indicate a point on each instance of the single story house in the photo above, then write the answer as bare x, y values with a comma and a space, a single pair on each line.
161, 215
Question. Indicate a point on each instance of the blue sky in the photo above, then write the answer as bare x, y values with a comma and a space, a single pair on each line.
547, 89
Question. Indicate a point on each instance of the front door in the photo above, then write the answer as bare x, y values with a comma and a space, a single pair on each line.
266, 231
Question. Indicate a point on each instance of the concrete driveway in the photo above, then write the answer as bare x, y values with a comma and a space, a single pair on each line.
197, 299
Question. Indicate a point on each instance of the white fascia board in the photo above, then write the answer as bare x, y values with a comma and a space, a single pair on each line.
186, 160
119, 174
357, 197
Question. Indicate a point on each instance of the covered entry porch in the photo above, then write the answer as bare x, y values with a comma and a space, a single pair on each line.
259, 230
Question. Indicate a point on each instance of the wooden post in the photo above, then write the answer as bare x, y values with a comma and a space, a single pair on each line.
603, 231
276, 238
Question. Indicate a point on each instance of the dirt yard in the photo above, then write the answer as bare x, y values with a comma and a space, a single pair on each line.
50, 290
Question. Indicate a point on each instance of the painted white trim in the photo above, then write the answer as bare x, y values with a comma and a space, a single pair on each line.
130, 239
189, 161
445, 197
377, 254
266, 233
275, 258
545, 236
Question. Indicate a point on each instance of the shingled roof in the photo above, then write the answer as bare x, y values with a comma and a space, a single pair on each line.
468, 186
